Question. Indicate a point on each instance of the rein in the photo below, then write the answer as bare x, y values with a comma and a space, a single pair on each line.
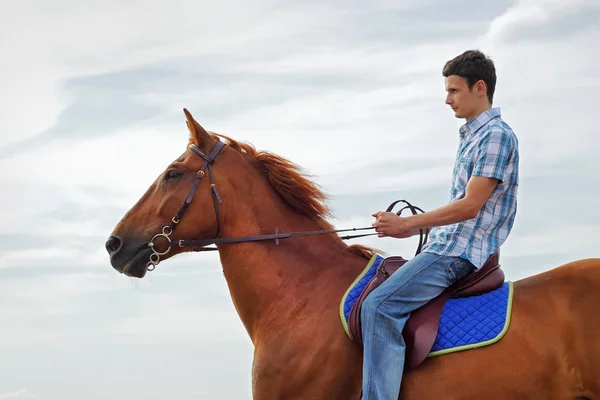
209, 159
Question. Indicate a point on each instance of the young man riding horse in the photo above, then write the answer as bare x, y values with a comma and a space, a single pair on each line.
464, 233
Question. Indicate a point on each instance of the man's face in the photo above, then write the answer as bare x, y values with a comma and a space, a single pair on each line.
464, 102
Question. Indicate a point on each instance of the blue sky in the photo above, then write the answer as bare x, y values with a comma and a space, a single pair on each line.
91, 111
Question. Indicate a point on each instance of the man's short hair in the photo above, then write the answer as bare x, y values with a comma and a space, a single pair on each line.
473, 65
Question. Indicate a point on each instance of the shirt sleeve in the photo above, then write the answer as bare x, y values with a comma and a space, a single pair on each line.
495, 153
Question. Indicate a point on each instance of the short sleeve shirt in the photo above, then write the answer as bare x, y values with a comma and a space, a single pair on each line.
488, 147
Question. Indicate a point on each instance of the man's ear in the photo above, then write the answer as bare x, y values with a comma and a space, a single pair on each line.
481, 88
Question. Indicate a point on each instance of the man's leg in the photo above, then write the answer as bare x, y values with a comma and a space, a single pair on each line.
386, 310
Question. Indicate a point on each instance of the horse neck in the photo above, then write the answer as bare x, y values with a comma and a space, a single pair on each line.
269, 283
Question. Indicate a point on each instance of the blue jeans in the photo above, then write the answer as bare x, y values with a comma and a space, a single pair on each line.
386, 310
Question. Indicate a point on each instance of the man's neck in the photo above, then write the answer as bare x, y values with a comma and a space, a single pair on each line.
478, 111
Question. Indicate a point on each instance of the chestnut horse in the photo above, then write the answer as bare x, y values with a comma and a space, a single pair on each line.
287, 291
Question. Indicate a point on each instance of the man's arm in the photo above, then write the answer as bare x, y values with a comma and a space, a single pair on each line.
476, 194
478, 190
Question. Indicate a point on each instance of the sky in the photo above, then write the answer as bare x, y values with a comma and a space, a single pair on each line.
91, 99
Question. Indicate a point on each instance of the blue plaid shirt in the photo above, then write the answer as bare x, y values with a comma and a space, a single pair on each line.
488, 147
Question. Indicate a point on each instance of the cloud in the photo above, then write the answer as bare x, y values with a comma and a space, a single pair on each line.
183, 317
21, 394
130, 75
545, 20
37, 307
546, 78
117, 36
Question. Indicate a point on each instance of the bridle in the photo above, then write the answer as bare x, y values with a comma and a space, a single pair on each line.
209, 160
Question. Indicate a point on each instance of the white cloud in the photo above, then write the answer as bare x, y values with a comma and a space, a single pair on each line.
118, 35
371, 179
48, 295
63, 287
547, 83
388, 60
137, 155
21, 394
577, 239
112, 36
188, 324
35, 256
528, 14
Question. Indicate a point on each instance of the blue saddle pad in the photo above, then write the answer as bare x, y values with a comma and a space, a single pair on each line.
356, 288
476, 321
465, 323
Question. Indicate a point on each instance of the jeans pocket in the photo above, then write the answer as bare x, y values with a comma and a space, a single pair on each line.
458, 269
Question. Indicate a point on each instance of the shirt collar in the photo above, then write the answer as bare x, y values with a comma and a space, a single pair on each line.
480, 120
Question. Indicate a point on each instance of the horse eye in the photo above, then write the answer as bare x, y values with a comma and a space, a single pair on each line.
172, 174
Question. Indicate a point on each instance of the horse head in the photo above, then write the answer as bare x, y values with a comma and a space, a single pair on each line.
183, 202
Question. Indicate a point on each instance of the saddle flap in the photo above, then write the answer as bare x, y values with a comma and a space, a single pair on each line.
388, 266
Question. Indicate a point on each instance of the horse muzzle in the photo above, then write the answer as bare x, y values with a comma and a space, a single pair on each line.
129, 257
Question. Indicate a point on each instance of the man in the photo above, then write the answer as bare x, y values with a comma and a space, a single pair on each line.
464, 233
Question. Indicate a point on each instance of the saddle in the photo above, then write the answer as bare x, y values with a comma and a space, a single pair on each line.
421, 328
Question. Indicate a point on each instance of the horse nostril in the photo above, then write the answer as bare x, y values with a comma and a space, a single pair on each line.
113, 245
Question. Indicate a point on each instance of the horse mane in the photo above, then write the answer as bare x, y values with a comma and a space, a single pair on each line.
294, 186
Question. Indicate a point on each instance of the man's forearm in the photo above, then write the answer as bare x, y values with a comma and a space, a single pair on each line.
456, 211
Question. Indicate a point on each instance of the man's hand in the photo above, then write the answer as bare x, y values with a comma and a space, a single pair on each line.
390, 224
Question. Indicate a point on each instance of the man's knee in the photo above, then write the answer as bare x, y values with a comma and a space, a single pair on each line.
373, 301
369, 304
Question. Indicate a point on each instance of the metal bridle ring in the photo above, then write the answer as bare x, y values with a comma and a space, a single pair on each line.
153, 246
154, 258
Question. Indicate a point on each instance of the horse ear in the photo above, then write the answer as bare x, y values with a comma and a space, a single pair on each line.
198, 134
